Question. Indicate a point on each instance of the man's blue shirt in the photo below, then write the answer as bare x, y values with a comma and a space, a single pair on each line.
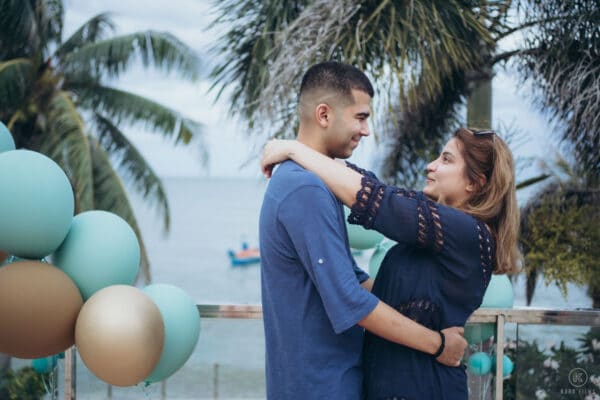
311, 293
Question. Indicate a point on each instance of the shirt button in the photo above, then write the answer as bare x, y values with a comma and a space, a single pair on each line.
320, 261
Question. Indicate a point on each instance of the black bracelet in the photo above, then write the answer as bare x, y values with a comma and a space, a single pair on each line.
440, 350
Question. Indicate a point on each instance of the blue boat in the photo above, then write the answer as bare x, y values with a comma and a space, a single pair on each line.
245, 256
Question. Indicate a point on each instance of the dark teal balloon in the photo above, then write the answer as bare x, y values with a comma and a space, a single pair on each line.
100, 250
36, 206
44, 365
182, 328
378, 255
479, 363
507, 366
7, 142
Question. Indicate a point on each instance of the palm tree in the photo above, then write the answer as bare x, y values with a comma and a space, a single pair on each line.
427, 57
55, 98
423, 55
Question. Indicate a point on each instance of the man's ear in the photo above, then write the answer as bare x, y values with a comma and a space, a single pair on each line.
322, 115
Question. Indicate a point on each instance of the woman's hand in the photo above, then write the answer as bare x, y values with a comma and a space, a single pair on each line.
274, 152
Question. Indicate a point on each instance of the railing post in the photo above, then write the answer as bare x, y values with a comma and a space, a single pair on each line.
70, 374
499, 356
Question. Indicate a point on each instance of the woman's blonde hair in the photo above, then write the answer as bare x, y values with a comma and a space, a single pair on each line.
489, 166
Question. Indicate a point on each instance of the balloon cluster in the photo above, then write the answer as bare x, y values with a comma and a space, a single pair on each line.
85, 296
481, 363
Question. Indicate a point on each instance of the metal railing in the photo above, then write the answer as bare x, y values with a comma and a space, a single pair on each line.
499, 316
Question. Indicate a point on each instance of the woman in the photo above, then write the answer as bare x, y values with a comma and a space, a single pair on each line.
451, 237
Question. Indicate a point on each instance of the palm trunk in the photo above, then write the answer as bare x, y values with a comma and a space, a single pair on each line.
479, 105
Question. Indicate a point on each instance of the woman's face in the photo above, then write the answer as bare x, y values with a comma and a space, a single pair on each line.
446, 179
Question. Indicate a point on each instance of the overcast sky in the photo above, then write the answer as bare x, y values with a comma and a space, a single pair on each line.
228, 144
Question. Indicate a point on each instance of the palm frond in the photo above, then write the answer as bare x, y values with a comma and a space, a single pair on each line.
16, 77
125, 107
563, 66
246, 49
49, 15
398, 43
90, 32
133, 165
110, 195
113, 56
18, 28
66, 143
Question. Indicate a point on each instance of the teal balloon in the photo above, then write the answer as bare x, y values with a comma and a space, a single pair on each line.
7, 142
100, 250
477, 333
507, 366
378, 255
499, 293
182, 328
36, 206
360, 238
44, 365
479, 363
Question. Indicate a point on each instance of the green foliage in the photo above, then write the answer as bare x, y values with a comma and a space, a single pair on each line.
540, 372
561, 238
23, 384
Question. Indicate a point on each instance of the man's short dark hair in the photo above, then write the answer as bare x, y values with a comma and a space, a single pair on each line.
336, 77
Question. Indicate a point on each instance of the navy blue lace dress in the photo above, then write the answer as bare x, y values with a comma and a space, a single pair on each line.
436, 275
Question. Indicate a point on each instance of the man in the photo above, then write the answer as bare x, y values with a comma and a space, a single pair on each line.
316, 301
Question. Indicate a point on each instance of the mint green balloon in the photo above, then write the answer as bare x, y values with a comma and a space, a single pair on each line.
182, 328
499, 293
378, 255
477, 333
100, 250
479, 363
7, 142
36, 206
359, 237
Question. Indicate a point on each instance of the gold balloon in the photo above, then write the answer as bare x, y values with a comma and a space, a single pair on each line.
39, 305
120, 335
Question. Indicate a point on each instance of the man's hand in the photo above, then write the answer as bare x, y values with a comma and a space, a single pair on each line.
455, 346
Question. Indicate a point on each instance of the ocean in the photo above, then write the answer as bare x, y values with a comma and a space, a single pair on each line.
209, 216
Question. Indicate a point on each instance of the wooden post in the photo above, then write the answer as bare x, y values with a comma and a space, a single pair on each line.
70, 374
499, 356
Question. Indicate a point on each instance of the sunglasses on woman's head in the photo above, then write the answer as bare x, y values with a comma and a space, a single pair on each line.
483, 133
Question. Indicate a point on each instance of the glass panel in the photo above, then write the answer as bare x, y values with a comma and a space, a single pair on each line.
555, 362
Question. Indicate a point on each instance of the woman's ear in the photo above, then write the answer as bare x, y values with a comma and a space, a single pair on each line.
322, 114
471, 187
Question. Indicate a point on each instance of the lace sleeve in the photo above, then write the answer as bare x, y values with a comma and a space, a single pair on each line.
368, 200
361, 171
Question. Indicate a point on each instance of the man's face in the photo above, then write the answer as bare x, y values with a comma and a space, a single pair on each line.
347, 126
